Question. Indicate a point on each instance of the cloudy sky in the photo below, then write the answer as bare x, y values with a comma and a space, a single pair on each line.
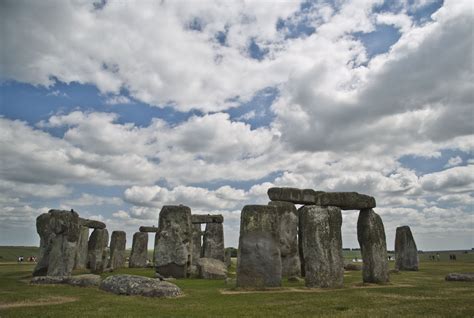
116, 108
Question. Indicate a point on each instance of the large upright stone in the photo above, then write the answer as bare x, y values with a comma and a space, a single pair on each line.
213, 241
373, 247
97, 250
173, 242
406, 253
81, 250
259, 259
322, 246
118, 241
59, 232
287, 217
139, 255
197, 233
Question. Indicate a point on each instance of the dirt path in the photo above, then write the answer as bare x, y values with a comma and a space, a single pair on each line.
39, 302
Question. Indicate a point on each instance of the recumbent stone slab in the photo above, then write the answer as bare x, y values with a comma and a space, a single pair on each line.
406, 253
139, 255
118, 241
259, 259
322, 246
460, 277
139, 285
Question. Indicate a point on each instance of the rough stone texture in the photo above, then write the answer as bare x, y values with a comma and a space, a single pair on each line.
196, 228
80, 261
93, 224
86, 280
59, 232
148, 229
139, 285
352, 267
206, 218
139, 255
213, 241
118, 241
173, 242
300, 242
210, 268
259, 259
460, 277
373, 247
343, 200
406, 253
228, 257
287, 217
97, 250
322, 246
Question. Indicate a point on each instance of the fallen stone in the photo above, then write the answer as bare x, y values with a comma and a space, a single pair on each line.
210, 268
460, 277
206, 218
213, 242
343, 200
118, 241
80, 261
173, 242
93, 224
322, 246
59, 233
86, 280
406, 253
97, 253
352, 267
46, 280
148, 229
139, 255
139, 285
373, 247
259, 259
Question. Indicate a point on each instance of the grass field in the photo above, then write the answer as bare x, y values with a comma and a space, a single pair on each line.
423, 293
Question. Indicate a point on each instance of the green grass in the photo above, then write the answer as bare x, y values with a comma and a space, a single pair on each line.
11, 253
423, 293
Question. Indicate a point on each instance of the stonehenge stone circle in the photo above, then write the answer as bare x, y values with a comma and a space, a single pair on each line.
81, 249
97, 253
287, 217
173, 242
139, 255
322, 246
118, 241
343, 200
259, 259
213, 241
148, 229
406, 253
59, 232
93, 224
373, 247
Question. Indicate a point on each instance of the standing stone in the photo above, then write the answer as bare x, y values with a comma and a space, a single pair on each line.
406, 253
287, 217
139, 255
373, 247
97, 250
59, 232
81, 250
117, 249
259, 259
173, 242
228, 257
300, 242
322, 246
213, 241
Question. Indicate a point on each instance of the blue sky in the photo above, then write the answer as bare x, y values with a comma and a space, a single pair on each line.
116, 110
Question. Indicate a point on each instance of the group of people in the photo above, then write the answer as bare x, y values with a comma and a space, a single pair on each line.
435, 258
452, 257
21, 259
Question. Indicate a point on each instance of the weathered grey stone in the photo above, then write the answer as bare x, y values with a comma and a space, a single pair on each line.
81, 249
343, 200
352, 267
197, 233
210, 268
148, 229
300, 242
259, 259
287, 217
93, 224
97, 250
206, 218
118, 241
86, 280
373, 247
139, 285
228, 257
46, 280
322, 246
59, 232
460, 277
139, 255
173, 242
406, 253
213, 241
